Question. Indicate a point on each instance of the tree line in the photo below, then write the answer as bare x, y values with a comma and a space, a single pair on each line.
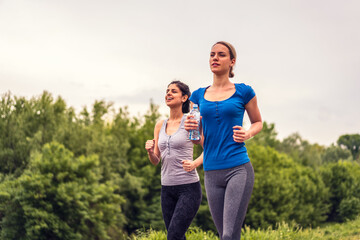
85, 175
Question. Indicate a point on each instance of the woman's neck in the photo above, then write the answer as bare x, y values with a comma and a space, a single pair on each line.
175, 114
221, 81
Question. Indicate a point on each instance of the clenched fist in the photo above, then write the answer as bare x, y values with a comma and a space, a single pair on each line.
240, 135
150, 146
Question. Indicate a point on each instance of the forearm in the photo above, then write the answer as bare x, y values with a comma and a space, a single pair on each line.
154, 159
198, 161
255, 128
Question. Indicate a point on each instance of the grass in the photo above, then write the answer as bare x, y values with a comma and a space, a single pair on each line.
345, 231
193, 233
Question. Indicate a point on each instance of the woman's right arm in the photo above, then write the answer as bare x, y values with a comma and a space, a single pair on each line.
151, 146
189, 165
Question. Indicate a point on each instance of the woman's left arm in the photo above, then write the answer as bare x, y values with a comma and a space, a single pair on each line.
253, 112
252, 109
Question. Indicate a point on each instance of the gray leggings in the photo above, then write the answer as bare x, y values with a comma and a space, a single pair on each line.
228, 193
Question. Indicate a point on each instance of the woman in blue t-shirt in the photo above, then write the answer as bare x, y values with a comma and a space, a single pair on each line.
229, 176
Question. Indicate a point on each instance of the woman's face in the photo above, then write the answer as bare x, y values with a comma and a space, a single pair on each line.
174, 96
220, 61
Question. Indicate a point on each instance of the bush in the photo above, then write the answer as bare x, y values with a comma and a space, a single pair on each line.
59, 197
349, 208
284, 191
343, 180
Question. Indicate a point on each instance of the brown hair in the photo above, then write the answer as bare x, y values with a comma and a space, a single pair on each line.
232, 54
185, 90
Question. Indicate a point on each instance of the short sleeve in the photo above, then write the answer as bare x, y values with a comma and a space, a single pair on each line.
195, 96
249, 93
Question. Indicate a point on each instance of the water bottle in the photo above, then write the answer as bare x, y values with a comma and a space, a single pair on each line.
195, 134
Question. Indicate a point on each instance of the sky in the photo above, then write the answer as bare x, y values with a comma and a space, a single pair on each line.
302, 57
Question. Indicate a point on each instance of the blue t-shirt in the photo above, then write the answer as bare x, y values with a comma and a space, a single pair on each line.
218, 119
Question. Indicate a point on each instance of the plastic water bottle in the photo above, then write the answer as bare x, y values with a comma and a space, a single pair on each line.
195, 134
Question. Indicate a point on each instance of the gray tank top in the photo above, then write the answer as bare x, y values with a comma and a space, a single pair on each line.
175, 148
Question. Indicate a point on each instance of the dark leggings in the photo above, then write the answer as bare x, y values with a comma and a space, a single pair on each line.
179, 206
228, 193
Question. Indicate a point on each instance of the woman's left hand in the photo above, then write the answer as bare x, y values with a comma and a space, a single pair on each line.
240, 135
188, 165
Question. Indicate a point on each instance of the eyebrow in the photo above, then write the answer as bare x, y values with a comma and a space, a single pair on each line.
218, 52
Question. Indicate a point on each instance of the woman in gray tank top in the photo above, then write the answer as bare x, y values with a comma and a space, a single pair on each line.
180, 187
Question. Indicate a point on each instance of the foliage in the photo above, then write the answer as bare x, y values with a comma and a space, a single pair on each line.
333, 154
45, 146
301, 150
267, 137
59, 197
143, 206
282, 231
350, 142
284, 191
343, 180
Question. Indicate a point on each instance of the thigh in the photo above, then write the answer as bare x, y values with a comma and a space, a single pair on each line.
186, 208
168, 204
215, 192
237, 197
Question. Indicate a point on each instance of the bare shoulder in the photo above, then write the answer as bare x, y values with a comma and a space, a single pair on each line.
159, 125
157, 129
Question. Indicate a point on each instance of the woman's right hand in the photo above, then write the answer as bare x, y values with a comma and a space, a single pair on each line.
190, 123
188, 165
150, 146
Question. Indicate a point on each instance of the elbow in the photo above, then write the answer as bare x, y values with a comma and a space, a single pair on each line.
154, 160
155, 163
260, 125
257, 127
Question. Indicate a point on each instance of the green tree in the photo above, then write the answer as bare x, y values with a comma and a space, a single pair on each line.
25, 126
47, 116
267, 136
75, 132
350, 142
60, 197
284, 190
301, 150
143, 208
333, 154
343, 180
14, 133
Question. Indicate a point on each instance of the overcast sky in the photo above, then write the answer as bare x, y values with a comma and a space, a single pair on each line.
302, 57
